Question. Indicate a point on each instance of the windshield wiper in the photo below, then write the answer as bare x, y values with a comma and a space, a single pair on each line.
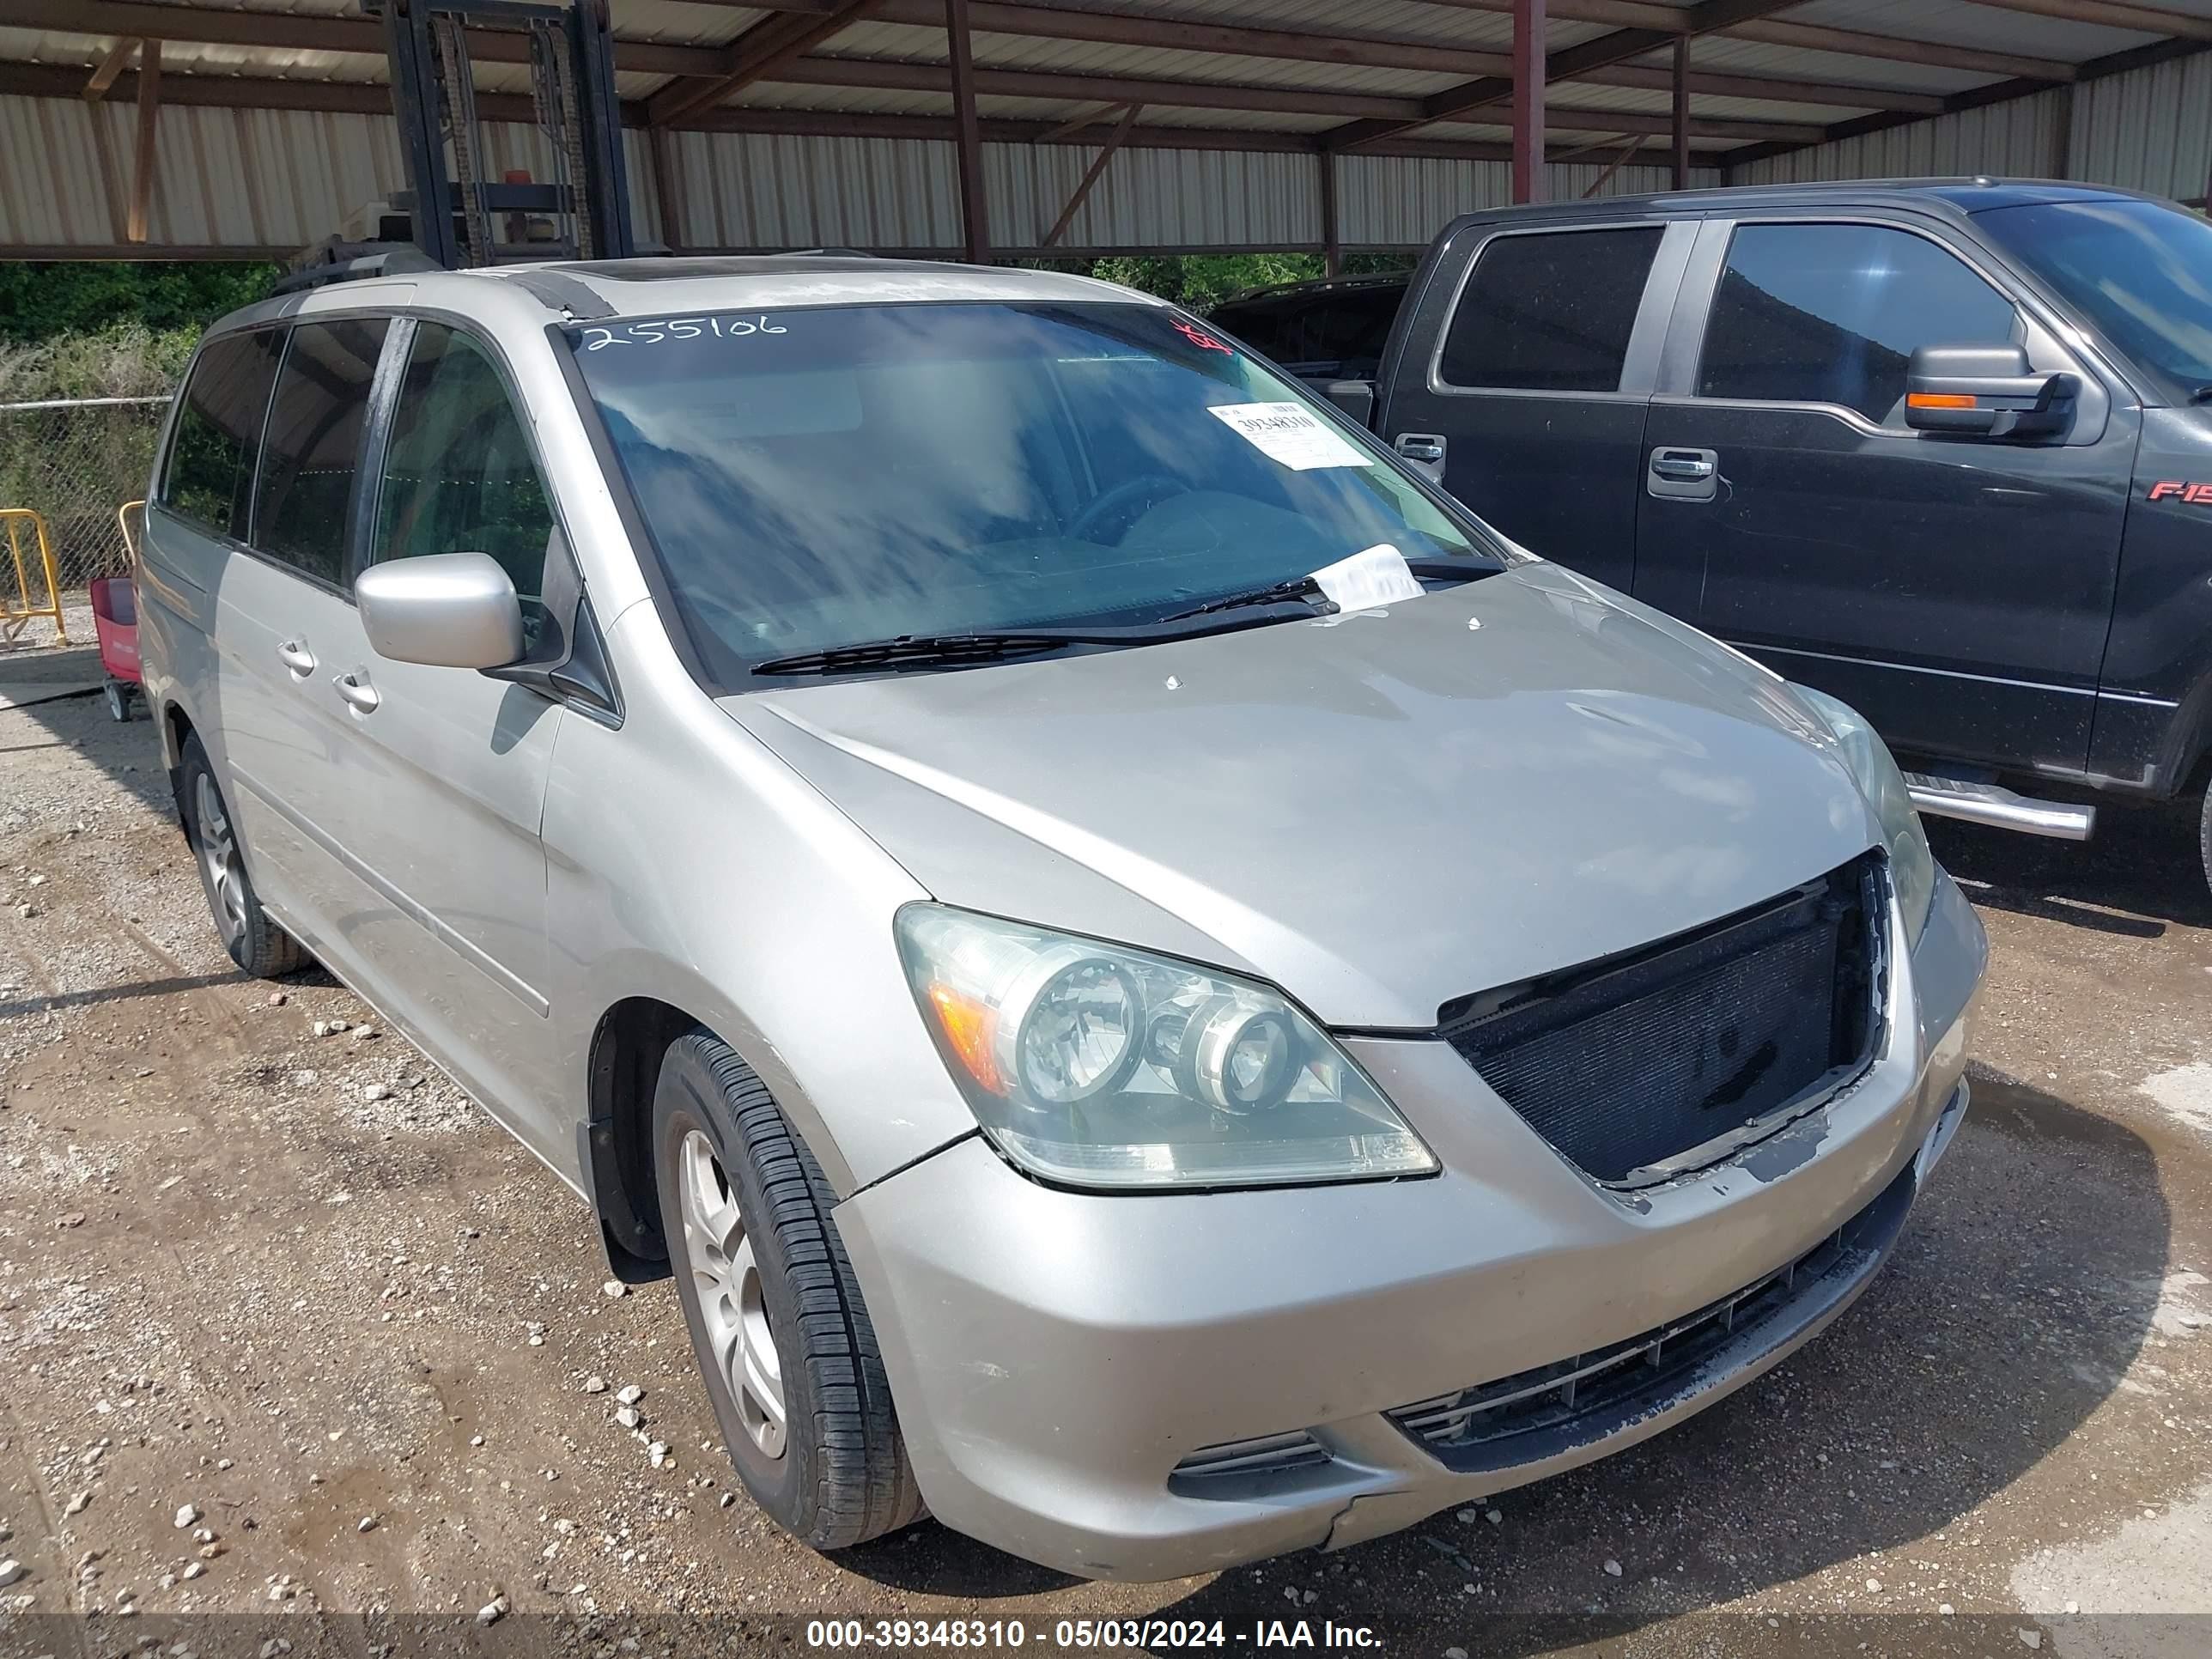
918, 650
2202, 395
986, 644
1298, 587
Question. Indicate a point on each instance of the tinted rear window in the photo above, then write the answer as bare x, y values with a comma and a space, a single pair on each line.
210, 479
313, 450
1550, 312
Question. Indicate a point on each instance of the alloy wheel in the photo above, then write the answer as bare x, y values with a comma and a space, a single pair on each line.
719, 1255
226, 877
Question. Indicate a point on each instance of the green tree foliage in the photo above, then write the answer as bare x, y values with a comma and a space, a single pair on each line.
1199, 281
109, 330
37, 301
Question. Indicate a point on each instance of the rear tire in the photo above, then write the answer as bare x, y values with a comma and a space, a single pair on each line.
256, 944
2204, 833
789, 1359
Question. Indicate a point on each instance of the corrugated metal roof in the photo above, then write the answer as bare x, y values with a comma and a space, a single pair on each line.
263, 178
1723, 52
1953, 24
921, 46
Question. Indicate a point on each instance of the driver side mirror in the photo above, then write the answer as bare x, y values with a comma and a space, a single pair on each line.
1987, 392
1355, 397
446, 609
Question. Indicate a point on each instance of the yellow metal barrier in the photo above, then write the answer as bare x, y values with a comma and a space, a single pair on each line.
131, 537
15, 618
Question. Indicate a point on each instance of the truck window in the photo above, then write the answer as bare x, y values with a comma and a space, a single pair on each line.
1550, 312
1831, 315
313, 451
210, 475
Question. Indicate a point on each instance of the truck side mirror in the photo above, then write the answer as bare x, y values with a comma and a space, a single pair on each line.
1986, 391
1355, 397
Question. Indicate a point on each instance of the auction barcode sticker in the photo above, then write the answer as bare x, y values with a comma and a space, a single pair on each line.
1291, 435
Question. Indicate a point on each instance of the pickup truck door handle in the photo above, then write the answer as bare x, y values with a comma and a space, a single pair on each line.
296, 656
1683, 475
355, 688
1426, 450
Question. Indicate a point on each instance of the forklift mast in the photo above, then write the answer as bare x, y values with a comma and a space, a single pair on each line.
456, 216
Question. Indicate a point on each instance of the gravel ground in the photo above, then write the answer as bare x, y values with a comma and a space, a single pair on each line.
294, 1336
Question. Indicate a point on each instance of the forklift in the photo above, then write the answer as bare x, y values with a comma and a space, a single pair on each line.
453, 216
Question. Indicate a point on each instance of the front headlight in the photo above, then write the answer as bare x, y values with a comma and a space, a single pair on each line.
1095, 1065
1911, 865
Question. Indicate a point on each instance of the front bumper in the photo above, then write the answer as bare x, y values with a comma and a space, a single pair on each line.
1056, 1355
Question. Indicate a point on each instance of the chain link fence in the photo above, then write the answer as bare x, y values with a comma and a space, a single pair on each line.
75, 462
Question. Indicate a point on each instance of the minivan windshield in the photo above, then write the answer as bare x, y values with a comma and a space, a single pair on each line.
2140, 271
818, 477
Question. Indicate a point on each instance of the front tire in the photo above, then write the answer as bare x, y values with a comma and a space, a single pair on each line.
255, 942
790, 1360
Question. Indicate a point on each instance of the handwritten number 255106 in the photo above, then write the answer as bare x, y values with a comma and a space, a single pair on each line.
679, 328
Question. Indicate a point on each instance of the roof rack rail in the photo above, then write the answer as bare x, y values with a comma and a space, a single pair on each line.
819, 252
347, 262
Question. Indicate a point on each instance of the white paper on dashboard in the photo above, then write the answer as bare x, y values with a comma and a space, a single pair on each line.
1290, 434
1374, 576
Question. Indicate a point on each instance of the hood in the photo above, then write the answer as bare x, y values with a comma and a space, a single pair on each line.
1378, 813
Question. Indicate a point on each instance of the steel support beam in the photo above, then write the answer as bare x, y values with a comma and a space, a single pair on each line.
757, 55
1455, 103
1113, 91
1047, 21
1092, 175
144, 159
1528, 101
975, 211
365, 98
667, 188
1681, 113
1614, 165
103, 75
1332, 237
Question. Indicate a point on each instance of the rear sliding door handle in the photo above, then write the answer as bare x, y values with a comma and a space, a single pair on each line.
355, 688
1683, 475
296, 656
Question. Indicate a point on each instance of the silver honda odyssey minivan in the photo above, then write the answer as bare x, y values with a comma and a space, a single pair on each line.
1161, 991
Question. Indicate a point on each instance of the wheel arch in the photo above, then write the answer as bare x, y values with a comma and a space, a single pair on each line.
614, 1154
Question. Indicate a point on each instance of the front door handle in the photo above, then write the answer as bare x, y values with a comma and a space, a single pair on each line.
1683, 475
1426, 450
296, 656
355, 688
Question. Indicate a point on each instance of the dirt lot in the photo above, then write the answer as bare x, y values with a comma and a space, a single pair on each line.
294, 1284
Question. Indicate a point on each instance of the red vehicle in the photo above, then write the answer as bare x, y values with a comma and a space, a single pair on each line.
115, 621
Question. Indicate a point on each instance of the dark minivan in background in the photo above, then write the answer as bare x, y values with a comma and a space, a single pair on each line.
1942, 448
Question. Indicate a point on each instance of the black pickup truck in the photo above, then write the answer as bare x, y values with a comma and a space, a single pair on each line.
1943, 448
